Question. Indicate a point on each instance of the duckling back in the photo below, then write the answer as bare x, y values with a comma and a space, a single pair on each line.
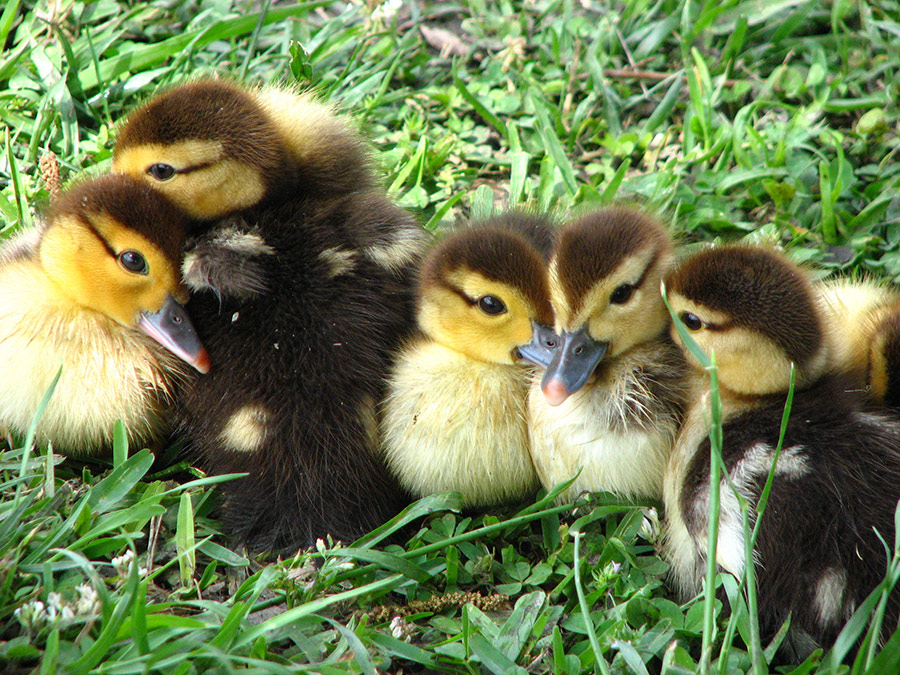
454, 418
863, 318
837, 478
300, 372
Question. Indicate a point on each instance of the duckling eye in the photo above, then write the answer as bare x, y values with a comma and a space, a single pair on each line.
491, 304
691, 321
621, 294
133, 262
161, 171
551, 343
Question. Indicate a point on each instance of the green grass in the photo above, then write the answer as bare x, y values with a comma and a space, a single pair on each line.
773, 120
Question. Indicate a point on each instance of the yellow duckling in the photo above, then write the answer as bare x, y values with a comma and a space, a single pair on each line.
454, 417
301, 274
837, 477
613, 393
87, 291
863, 318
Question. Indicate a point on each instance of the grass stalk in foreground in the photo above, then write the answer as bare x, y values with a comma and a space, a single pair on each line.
715, 473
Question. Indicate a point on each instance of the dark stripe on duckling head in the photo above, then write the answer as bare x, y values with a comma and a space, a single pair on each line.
759, 290
207, 110
497, 254
592, 247
130, 202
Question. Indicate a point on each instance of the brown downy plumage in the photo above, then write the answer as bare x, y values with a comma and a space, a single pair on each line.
837, 479
301, 271
454, 418
612, 396
93, 290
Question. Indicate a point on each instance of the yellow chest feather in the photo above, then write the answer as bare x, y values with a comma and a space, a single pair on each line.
453, 423
109, 372
615, 429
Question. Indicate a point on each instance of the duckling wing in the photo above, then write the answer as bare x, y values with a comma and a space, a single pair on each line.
230, 259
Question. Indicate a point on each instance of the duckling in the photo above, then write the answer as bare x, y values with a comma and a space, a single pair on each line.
455, 417
837, 478
863, 316
301, 276
93, 289
612, 395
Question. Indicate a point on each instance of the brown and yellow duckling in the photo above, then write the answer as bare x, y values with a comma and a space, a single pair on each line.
837, 478
455, 416
612, 395
94, 289
301, 273
863, 316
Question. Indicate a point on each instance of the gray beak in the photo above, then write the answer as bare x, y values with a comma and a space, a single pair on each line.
543, 345
572, 365
172, 328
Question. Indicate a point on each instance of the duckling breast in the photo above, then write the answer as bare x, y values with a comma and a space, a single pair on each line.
109, 372
455, 424
618, 429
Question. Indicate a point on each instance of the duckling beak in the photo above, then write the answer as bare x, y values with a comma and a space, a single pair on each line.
543, 345
572, 365
172, 328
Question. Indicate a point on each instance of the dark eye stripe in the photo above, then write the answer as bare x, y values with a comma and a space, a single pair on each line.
96, 233
195, 167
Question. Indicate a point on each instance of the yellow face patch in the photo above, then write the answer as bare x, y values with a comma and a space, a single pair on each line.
455, 323
205, 183
748, 362
90, 273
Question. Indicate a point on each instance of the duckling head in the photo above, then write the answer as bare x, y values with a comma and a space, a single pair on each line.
215, 148
483, 292
604, 286
756, 311
113, 245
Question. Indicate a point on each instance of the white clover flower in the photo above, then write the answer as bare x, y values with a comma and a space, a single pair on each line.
55, 601
400, 629
32, 615
650, 525
52, 615
121, 563
88, 603
387, 10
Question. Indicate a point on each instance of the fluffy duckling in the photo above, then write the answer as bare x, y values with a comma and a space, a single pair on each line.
301, 273
863, 316
837, 479
612, 395
455, 416
93, 289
